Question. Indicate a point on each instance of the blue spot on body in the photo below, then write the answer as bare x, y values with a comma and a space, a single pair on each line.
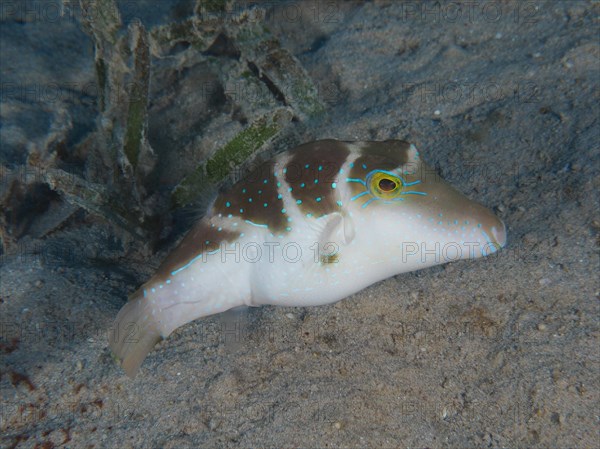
298, 201
227, 204
333, 185
318, 199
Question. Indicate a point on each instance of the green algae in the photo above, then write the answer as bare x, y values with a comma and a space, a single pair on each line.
234, 153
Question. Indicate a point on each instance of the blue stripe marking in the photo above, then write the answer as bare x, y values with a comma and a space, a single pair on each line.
359, 195
410, 183
173, 273
368, 202
256, 224
356, 180
412, 192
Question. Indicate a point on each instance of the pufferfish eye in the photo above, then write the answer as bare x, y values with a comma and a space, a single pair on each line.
384, 185
387, 185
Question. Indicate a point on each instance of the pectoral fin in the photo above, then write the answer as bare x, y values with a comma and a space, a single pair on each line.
336, 231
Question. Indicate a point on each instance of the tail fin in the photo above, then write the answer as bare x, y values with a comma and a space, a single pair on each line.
134, 334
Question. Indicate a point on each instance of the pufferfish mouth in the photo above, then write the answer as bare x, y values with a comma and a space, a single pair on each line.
495, 237
499, 234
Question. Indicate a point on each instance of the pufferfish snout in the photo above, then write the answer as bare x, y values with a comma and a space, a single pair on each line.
309, 227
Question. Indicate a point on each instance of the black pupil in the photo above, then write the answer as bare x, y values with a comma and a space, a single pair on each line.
387, 185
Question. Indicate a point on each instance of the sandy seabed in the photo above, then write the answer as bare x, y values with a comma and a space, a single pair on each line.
500, 352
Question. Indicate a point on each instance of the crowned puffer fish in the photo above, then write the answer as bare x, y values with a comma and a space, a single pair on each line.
309, 227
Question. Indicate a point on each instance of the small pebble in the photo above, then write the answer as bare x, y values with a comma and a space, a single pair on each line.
338, 425
290, 316
557, 418
544, 281
541, 327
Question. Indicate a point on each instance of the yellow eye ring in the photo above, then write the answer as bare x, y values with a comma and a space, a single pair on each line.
384, 185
